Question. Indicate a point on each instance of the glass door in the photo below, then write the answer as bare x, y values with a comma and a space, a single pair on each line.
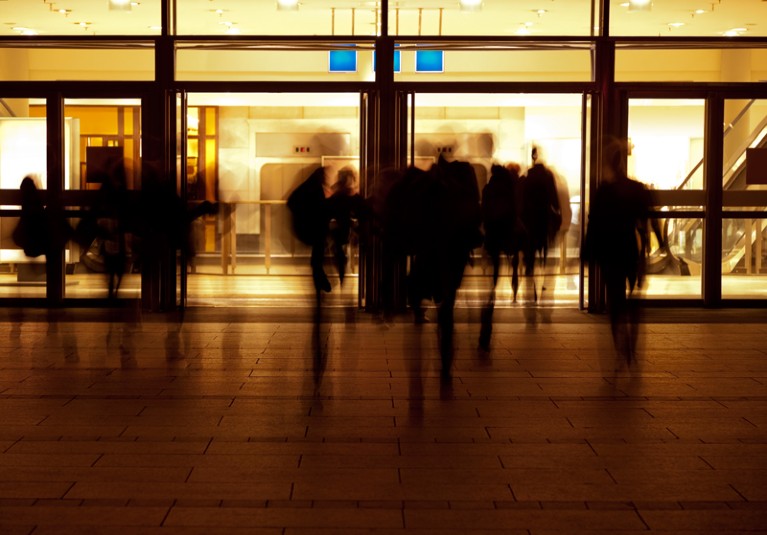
503, 129
744, 200
245, 153
666, 140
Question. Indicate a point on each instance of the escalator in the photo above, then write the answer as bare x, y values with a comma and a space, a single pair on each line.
675, 251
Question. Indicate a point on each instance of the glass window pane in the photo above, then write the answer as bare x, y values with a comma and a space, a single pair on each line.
744, 181
23, 152
667, 143
103, 140
674, 272
491, 17
48, 63
195, 63
105, 17
687, 19
744, 260
248, 152
690, 65
536, 63
277, 17
102, 133
485, 129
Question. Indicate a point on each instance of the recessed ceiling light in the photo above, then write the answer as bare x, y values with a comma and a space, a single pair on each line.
734, 32
700, 11
676, 24
470, 5
287, 5
24, 30
640, 5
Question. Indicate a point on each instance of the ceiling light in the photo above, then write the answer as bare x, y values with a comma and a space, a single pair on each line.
700, 11
470, 5
287, 5
524, 28
734, 32
640, 5
24, 31
540, 12
676, 24
119, 5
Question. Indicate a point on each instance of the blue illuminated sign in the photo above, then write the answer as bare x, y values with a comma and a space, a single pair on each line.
429, 61
342, 61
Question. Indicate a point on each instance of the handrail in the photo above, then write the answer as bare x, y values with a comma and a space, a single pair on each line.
727, 130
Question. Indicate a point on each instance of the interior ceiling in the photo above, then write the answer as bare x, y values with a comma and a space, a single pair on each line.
427, 17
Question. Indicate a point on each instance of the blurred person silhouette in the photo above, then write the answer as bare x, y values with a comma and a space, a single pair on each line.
111, 211
43, 230
541, 217
31, 232
163, 228
345, 208
617, 241
311, 218
451, 230
384, 209
502, 235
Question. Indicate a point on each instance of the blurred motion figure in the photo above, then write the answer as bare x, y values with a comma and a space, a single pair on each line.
617, 240
502, 235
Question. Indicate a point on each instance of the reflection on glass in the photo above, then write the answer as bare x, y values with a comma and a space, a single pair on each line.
674, 265
667, 143
744, 260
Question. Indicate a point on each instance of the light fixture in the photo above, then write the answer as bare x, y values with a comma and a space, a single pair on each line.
120, 5
24, 30
287, 5
734, 32
640, 5
470, 5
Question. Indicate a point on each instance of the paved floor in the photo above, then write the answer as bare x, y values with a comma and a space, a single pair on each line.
227, 425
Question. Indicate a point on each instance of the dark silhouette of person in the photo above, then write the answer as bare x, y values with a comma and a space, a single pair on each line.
311, 217
42, 229
502, 235
31, 232
384, 209
541, 217
449, 228
617, 240
111, 213
345, 208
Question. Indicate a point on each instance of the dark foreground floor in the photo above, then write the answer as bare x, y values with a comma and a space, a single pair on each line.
261, 423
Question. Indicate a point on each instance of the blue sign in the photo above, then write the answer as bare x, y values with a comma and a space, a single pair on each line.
429, 61
342, 61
